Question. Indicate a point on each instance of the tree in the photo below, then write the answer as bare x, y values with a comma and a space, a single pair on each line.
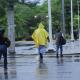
24, 15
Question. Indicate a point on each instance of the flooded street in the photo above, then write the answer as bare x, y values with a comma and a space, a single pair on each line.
71, 47
24, 65
29, 68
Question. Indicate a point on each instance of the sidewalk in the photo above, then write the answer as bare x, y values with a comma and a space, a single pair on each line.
71, 47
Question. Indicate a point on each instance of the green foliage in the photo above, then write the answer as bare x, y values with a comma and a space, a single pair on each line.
2, 9
26, 21
23, 19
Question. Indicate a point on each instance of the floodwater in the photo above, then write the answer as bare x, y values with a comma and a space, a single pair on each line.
29, 68
71, 47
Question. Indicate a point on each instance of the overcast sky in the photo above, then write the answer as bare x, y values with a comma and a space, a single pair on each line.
41, 1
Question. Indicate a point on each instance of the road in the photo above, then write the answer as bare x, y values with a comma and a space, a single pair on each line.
29, 68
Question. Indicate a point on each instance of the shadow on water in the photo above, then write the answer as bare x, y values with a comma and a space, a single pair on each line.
41, 71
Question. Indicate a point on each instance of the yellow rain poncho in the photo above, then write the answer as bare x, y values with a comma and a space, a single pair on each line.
40, 35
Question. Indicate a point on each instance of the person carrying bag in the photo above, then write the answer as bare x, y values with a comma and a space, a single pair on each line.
60, 41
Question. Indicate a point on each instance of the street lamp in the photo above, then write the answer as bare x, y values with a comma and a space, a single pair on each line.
35, 16
72, 35
78, 20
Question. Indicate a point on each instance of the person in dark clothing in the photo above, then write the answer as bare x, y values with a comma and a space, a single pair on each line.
75, 34
58, 44
4, 44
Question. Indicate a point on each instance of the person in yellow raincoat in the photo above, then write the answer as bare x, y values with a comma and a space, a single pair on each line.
40, 37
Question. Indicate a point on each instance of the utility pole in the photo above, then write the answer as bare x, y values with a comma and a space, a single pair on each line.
72, 34
63, 18
11, 26
50, 47
78, 20
50, 20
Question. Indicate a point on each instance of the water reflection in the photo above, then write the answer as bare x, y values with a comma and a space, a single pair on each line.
62, 71
60, 61
3, 74
41, 71
6, 74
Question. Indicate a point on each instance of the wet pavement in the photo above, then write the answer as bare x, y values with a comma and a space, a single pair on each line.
24, 65
29, 68
71, 47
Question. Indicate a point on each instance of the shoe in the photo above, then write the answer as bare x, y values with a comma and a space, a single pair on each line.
61, 55
57, 56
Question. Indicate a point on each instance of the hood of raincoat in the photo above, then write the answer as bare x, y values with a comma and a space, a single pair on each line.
41, 26
40, 35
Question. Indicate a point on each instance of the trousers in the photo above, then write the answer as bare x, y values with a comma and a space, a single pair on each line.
41, 50
3, 52
59, 46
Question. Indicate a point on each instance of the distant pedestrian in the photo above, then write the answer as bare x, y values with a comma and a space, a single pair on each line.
75, 34
40, 37
4, 44
59, 44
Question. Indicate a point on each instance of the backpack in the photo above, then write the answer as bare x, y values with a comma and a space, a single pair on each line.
62, 40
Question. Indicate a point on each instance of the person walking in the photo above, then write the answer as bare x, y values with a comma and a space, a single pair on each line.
59, 43
4, 44
40, 37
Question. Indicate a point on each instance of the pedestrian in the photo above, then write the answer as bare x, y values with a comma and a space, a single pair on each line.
4, 44
75, 34
40, 37
58, 43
